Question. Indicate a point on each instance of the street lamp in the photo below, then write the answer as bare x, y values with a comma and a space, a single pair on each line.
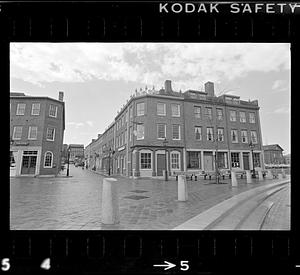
68, 169
251, 145
165, 142
109, 152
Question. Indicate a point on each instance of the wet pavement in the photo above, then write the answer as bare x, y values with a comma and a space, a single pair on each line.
74, 203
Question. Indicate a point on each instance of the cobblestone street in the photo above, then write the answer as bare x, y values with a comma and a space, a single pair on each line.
74, 203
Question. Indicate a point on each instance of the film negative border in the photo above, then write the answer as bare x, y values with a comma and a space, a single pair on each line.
115, 252
122, 251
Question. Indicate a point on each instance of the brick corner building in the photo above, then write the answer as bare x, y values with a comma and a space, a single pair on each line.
37, 127
179, 131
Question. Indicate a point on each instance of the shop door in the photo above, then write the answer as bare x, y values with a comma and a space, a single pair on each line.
161, 165
246, 161
28, 165
208, 161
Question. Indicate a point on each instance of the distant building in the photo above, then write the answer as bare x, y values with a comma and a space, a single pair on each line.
64, 152
76, 152
158, 128
37, 127
287, 159
273, 154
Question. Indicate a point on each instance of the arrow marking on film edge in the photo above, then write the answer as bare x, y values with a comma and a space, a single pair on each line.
167, 265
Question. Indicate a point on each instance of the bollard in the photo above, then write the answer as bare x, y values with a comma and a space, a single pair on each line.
283, 173
280, 177
248, 176
110, 204
260, 176
269, 175
233, 179
182, 188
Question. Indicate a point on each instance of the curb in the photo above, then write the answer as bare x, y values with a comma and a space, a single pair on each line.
204, 219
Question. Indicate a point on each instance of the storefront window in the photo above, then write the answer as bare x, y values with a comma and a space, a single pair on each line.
175, 160
256, 158
222, 160
194, 160
145, 160
235, 160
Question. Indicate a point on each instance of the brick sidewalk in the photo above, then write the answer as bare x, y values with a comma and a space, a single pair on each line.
74, 203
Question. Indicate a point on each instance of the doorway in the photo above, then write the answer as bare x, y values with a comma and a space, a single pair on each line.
246, 161
208, 161
161, 164
29, 162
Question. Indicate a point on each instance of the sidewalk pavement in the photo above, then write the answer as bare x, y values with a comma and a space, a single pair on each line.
204, 220
74, 203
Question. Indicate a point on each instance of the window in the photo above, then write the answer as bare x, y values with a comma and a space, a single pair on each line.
52, 110
140, 109
175, 160
244, 136
193, 160
17, 133
35, 110
130, 133
125, 136
242, 117
130, 112
50, 133
219, 114
198, 133
197, 111
32, 132
48, 160
145, 160
253, 137
235, 160
161, 131
161, 109
175, 108
208, 112
21, 109
252, 117
209, 133
234, 136
232, 116
140, 131
220, 134
256, 158
176, 131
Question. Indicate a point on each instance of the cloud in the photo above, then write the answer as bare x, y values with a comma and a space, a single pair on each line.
282, 110
280, 85
148, 63
90, 123
75, 124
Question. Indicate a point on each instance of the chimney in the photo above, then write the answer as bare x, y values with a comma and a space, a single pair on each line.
209, 88
61, 96
168, 86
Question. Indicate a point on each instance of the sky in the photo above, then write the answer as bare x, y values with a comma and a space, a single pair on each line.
98, 78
